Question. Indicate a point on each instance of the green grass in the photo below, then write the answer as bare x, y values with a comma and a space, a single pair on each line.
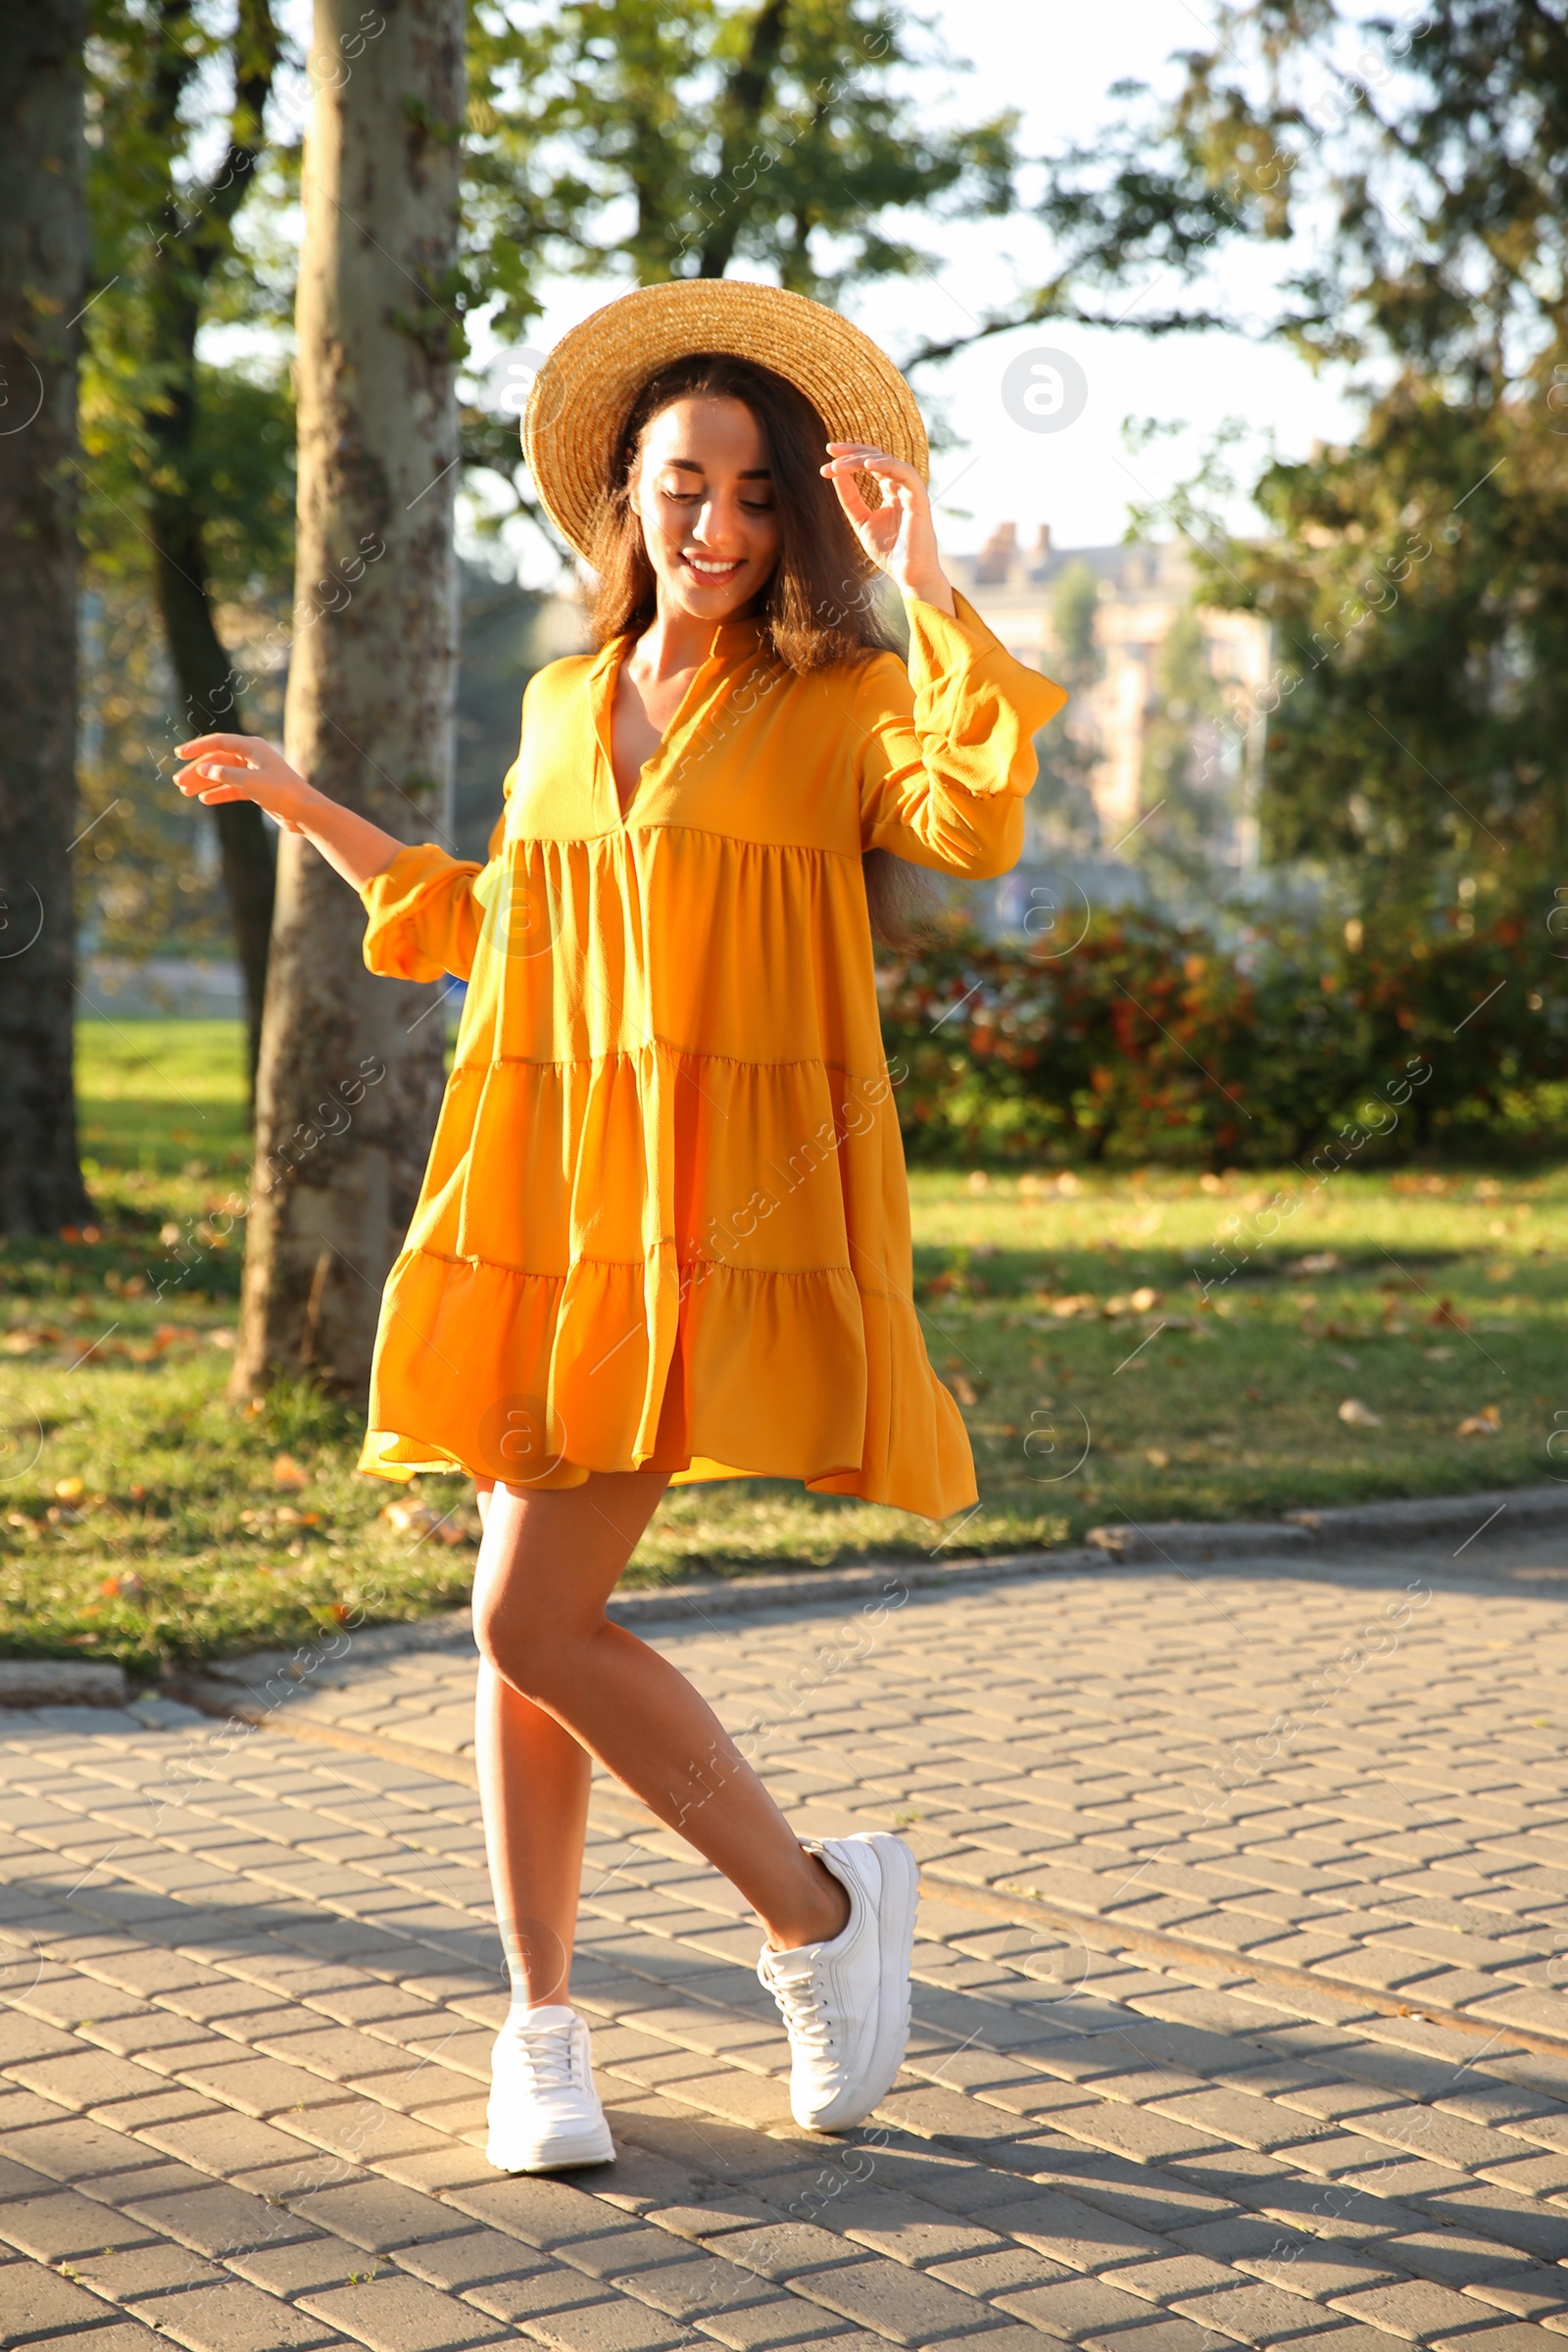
144, 1518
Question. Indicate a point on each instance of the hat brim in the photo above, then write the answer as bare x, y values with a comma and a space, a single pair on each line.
583, 394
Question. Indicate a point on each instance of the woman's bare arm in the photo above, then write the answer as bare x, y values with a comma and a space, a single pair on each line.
246, 768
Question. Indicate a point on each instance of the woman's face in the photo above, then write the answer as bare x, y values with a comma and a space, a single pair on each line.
703, 494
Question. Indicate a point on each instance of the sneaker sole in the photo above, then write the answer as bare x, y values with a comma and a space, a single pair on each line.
901, 1897
555, 2155
898, 1898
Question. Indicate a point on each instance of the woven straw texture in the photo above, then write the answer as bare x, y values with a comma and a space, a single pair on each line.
583, 394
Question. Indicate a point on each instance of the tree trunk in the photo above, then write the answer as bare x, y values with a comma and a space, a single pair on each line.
188, 256
43, 272
207, 684
352, 1067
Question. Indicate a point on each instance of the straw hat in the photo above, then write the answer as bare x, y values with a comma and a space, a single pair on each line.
584, 392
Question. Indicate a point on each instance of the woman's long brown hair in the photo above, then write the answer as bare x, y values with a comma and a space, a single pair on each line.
820, 604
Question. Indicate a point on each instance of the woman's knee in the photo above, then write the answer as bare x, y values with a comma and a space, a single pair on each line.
545, 1662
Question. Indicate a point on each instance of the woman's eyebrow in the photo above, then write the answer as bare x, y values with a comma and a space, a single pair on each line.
755, 474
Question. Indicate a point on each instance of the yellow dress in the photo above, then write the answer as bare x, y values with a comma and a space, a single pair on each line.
666, 1220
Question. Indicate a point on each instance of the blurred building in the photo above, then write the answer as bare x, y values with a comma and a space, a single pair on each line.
1150, 777
508, 632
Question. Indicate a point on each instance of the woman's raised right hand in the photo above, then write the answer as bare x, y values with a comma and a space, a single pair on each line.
244, 767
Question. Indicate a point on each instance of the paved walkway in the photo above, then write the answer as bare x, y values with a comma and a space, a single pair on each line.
1237, 2016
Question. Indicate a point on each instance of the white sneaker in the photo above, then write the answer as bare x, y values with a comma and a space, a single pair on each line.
544, 2111
845, 2004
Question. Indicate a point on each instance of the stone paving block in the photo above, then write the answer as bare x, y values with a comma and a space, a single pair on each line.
359, 2128
1136, 2131
1416, 2309
475, 2258
1497, 2213
402, 2315
20, 2181
1529, 2175
785, 2249
1166, 2332
259, 2087
1232, 2115
53, 2227
1172, 2275
302, 2263
84, 2078
1002, 2273
218, 2222
607, 2327
1067, 2230
35, 2300
528, 2293
1533, 2292
910, 2306
230, 2317
335, 2051
380, 2215
700, 2288
445, 2165
143, 2269
543, 2213
624, 2253
74, 2149
223, 2143
1502, 2336
1072, 2307
1254, 2313
23, 2037
782, 2319
123, 2336
1453, 2257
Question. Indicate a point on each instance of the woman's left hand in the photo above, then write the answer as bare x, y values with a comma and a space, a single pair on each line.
898, 535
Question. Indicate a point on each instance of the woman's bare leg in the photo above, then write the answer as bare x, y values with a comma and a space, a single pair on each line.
558, 1683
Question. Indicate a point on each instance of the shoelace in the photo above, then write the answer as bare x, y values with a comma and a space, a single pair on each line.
548, 2055
795, 1992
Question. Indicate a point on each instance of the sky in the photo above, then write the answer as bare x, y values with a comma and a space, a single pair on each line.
1056, 60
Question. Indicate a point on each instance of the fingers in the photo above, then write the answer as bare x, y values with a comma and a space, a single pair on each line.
862, 457
246, 744
209, 771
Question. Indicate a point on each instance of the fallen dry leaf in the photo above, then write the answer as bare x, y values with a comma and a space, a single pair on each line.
1357, 1415
287, 1471
1485, 1424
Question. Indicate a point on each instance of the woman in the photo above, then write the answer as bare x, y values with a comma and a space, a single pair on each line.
665, 1228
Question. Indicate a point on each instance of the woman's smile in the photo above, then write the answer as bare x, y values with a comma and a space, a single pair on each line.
715, 568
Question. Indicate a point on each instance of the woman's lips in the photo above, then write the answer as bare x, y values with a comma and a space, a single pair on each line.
715, 575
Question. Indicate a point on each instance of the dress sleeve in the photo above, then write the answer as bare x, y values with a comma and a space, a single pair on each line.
424, 917
947, 754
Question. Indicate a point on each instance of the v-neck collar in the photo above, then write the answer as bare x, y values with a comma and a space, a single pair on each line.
730, 642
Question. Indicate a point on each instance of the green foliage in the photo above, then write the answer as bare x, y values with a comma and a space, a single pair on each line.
673, 138
1150, 1040
1409, 173
167, 260
1417, 585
